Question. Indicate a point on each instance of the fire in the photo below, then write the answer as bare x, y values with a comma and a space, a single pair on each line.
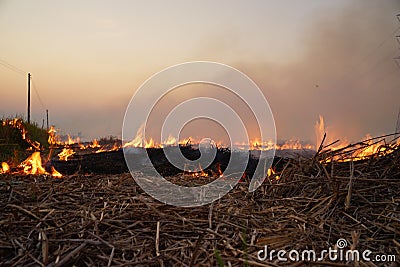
33, 164
70, 141
202, 173
65, 153
115, 147
371, 148
186, 141
55, 139
219, 171
171, 141
257, 144
199, 172
20, 126
138, 140
52, 136
368, 147
321, 130
101, 150
272, 173
4, 167
94, 144
149, 144
294, 144
55, 173
196, 172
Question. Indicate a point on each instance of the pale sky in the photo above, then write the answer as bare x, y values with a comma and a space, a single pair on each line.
87, 58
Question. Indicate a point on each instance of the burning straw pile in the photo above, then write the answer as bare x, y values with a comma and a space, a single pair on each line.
109, 221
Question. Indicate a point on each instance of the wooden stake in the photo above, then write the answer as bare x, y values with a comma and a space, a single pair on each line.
158, 238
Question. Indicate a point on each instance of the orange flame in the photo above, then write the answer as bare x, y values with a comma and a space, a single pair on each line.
4, 167
368, 147
55, 173
53, 139
65, 153
272, 173
33, 164
19, 125
70, 141
219, 171
196, 172
186, 141
320, 131
94, 144
171, 141
138, 140
149, 144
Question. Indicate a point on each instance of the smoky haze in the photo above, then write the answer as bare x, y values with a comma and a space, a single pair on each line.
311, 58
345, 71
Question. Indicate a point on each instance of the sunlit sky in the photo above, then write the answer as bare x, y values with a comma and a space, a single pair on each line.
87, 58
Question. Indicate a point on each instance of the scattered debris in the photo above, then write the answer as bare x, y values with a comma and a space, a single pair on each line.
108, 220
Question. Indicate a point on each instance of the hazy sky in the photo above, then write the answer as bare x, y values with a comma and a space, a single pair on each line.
87, 58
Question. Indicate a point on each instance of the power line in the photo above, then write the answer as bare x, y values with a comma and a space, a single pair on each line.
12, 67
37, 94
368, 55
23, 73
374, 66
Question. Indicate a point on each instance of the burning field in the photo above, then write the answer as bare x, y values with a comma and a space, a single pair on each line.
76, 204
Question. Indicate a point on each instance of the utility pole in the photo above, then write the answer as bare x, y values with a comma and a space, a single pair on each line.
47, 118
398, 125
398, 65
29, 98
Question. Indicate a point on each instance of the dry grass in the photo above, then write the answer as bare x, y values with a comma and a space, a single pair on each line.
107, 220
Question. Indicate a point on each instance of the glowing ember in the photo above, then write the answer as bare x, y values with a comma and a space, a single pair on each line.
271, 173
65, 153
202, 173
199, 172
101, 150
4, 167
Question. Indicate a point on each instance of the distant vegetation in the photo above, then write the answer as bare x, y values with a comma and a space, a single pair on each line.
110, 140
16, 136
